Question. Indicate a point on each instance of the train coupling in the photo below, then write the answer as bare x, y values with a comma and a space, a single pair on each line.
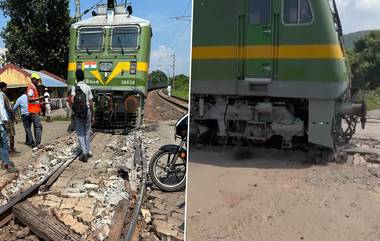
353, 109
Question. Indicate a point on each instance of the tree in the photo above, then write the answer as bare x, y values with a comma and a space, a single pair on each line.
365, 61
37, 34
181, 82
157, 77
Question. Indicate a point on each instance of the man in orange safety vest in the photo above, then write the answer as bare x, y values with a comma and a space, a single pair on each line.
34, 109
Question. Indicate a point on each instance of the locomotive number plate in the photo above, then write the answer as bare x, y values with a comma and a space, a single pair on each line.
128, 82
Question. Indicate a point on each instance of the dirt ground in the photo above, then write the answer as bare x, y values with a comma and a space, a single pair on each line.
51, 131
267, 194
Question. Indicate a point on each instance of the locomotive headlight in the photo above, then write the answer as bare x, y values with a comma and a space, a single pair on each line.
133, 67
105, 67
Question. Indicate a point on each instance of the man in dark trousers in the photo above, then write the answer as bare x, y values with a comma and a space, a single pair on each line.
22, 103
82, 106
11, 118
34, 109
6, 163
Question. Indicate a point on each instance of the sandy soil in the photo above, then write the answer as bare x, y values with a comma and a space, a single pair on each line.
267, 194
51, 131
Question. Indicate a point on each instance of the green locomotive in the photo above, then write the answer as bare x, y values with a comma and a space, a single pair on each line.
113, 49
271, 69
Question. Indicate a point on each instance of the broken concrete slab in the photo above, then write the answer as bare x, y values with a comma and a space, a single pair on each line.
52, 201
86, 218
93, 180
37, 200
69, 220
69, 203
146, 214
164, 229
375, 172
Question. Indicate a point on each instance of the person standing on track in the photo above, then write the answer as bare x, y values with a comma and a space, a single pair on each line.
22, 103
82, 106
47, 105
4, 140
34, 109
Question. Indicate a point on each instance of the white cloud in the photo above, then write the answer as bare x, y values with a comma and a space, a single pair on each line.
359, 14
161, 59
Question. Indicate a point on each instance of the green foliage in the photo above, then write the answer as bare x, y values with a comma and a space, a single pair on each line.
182, 94
158, 76
37, 34
181, 82
351, 38
365, 61
181, 86
372, 98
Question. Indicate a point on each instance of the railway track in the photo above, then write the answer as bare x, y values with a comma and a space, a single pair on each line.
46, 227
174, 101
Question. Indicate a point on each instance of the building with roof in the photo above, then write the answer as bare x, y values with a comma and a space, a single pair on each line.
18, 78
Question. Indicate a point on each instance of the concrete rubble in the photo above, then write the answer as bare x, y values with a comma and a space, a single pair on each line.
15, 231
89, 192
43, 164
85, 196
370, 155
165, 213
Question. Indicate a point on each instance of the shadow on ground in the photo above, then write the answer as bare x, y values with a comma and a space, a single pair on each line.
250, 157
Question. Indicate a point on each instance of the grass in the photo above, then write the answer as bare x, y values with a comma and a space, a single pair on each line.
373, 102
372, 98
183, 94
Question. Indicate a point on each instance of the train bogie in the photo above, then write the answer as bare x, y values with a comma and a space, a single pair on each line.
270, 68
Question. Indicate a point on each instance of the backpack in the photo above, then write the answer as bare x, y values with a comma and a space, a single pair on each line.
80, 103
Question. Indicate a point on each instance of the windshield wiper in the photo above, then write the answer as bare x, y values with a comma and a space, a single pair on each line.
121, 45
88, 51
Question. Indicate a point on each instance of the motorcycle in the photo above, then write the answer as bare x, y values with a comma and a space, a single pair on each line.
167, 168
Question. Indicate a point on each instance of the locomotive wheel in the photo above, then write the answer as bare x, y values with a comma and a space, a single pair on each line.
168, 180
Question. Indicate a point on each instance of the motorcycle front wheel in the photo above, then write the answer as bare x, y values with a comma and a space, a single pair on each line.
166, 178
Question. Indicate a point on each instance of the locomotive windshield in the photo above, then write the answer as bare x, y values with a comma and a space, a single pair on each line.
90, 39
124, 38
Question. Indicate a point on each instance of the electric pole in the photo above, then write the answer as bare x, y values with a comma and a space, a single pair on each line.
173, 65
77, 11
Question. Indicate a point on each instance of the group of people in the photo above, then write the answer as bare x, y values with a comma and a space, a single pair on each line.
30, 108
30, 104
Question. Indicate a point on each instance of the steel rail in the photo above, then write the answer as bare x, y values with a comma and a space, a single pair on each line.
172, 100
139, 158
6, 209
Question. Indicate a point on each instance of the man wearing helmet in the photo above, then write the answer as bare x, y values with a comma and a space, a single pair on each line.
34, 109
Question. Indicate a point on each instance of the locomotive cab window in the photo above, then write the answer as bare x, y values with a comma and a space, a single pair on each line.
259, 12
297, 12
90, 39
125, 38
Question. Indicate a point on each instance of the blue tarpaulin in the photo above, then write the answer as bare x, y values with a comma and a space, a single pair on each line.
48, 81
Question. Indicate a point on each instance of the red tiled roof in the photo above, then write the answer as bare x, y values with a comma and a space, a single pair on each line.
12, 66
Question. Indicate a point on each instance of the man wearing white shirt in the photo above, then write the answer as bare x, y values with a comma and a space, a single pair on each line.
83, 125
47, 105
4, 140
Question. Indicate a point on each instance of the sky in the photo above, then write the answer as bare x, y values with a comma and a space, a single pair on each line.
359, 14
173, 36
169, 35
